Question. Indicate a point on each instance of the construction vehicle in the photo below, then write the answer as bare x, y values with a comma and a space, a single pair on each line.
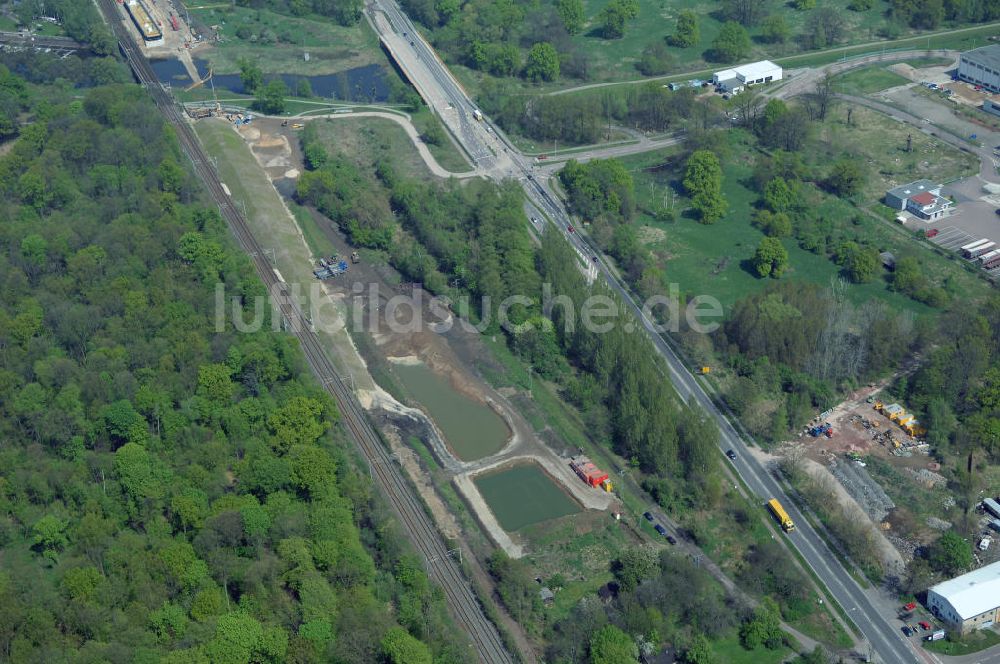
590, 473
297, 125
781, 515
330, 268
705, 370
893, 411
355, 257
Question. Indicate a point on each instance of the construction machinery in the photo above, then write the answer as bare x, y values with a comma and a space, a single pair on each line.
825, 429
705, 370
590, 473
329, 268
781, 515
907, 422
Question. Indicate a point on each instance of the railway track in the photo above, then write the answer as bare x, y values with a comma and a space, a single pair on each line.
464, 606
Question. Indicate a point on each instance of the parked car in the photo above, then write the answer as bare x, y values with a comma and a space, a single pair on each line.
647, 516
907, 630
910, 606
660, 529
924, 625
932, 232
670, 538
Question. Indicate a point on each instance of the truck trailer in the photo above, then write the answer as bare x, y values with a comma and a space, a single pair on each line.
781, 515
992, 507
972, 246
982, 250
990, 260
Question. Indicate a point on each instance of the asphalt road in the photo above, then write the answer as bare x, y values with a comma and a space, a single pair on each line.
436, 83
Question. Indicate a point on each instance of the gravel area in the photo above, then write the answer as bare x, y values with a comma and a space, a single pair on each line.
866, 491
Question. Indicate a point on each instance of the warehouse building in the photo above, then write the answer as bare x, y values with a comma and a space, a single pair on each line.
981, 66
755, 73
921, 198
968, 602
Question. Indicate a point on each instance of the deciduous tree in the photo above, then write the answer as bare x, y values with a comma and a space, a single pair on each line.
771, 258
703, 183
732, 43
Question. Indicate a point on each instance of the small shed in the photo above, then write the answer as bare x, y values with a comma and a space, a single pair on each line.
546, 595
888, 260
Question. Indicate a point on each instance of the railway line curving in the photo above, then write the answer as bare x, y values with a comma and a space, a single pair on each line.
462, 602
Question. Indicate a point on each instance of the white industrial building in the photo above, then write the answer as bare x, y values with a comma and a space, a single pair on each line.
981, 66
968, 602
755, 73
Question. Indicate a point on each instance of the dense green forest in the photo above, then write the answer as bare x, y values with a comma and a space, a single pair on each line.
169, 491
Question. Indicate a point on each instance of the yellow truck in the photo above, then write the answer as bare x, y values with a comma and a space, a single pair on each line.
781, 515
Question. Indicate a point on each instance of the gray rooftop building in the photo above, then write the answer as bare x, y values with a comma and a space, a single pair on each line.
921, 198
981, 66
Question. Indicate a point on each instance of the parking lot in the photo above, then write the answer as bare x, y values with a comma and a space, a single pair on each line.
954, 238
975, 217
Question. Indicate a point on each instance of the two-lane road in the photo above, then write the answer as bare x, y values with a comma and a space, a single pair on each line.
435, 83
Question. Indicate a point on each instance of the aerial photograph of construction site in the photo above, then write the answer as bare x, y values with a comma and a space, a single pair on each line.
502, 332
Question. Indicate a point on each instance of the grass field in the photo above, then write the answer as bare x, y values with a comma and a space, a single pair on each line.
880, 142
331, 47
366, 140
867, 80
448, 153
712, 259
730, 651
975, 642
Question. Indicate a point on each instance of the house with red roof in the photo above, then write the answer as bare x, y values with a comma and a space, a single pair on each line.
922, 199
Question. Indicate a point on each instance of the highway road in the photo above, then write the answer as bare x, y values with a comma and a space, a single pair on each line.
433, 80
386, 473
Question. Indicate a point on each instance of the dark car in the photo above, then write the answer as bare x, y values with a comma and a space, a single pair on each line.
570, 229
647, 516
660, 529
731, 454
907, 630
997, 211
670, 538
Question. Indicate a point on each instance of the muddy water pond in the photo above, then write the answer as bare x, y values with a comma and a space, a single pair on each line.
522, 495
471, 429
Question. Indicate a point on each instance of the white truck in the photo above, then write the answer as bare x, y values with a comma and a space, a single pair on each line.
985, 542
